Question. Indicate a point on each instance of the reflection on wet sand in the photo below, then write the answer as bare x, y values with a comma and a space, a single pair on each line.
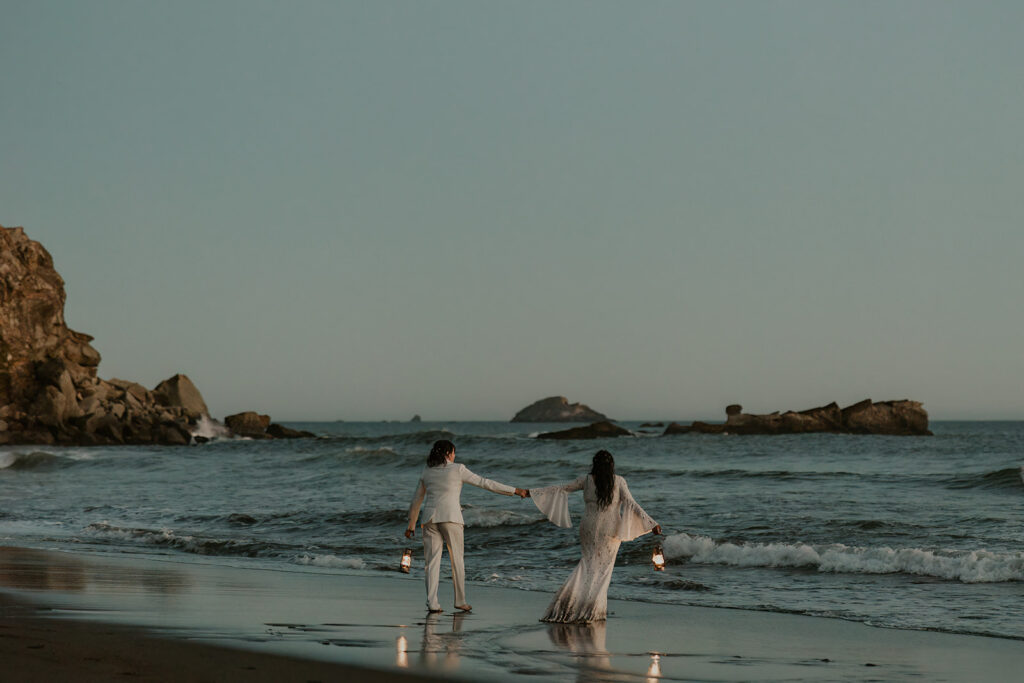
654, 670
587, 642
26, 569
446, 643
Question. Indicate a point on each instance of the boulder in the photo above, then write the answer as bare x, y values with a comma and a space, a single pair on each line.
558, 409
897, 418
597, 430
179, 391
248, 423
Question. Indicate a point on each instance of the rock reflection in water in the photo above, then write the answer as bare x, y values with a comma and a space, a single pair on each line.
26, 569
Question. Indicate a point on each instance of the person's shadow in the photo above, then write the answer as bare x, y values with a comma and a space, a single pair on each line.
586, 643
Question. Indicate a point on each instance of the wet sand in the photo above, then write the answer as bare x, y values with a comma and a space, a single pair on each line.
89, 617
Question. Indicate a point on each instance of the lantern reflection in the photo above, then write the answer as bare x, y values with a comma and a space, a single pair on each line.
406, 560
658, 559
402, 652
654, 670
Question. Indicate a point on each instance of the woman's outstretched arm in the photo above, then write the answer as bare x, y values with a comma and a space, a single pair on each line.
553, 501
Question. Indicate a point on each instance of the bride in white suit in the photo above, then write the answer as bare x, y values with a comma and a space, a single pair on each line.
438, 493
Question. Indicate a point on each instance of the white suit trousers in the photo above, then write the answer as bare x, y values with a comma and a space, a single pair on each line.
435, 537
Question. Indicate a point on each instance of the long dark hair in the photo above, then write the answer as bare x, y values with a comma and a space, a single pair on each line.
439, 452
603, 471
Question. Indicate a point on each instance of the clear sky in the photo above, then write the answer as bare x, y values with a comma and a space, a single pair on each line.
367, 210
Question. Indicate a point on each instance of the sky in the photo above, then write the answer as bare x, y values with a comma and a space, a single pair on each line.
369, 210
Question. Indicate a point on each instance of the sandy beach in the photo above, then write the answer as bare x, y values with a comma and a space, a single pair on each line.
91, 617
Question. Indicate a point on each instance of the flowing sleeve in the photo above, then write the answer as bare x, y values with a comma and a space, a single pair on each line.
633, 521
553, 501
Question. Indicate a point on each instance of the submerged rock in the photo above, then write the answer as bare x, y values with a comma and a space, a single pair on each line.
597, 430
277, 431
557, 409
49, 389
898, 418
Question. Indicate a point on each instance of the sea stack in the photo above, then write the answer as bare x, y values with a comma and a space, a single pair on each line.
49, 389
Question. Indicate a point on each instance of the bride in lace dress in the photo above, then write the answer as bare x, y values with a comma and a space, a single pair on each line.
610, 517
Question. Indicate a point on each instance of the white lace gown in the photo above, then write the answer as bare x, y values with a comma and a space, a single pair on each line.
584, 596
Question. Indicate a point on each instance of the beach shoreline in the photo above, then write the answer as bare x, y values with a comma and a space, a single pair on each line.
171, 620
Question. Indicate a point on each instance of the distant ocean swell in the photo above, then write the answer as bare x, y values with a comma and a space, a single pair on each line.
976, 566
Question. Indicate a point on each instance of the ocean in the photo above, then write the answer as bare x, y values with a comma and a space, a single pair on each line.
904, 532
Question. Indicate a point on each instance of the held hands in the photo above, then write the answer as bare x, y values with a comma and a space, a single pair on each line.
522, 493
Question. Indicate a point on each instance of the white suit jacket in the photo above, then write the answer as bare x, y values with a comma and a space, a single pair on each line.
438, 492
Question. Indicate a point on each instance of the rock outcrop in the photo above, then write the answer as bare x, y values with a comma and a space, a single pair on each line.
49, 389
252, 425
897, 418
557, 409
597, 430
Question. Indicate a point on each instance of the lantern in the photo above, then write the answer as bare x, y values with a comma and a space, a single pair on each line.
658, 559
406, 563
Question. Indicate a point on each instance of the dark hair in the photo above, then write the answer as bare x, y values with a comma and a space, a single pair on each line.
603, 471
439, 452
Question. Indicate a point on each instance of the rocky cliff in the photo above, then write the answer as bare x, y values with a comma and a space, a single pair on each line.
898, 418
557, 409
49, 389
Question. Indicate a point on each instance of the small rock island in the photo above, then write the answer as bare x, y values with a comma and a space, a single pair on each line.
558, 409
896, 418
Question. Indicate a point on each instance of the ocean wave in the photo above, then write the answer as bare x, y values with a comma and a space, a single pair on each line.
974, 566
485, 517
330, 561
36, 460
188, 543
370, 455
1008, 478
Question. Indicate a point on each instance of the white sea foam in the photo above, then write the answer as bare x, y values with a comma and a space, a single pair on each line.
974, 566
331, 561
211, 429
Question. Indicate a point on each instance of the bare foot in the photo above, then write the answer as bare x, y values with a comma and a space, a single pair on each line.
434, 611
464, 608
